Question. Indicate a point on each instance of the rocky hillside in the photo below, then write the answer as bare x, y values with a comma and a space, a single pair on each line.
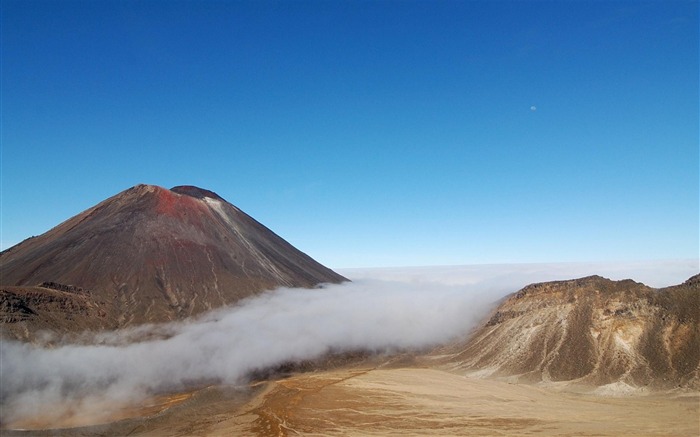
148, 254
591, 331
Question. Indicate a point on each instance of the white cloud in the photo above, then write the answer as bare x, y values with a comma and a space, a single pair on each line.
226, 345
657, 273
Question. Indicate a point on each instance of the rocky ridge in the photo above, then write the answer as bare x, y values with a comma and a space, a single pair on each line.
590, 331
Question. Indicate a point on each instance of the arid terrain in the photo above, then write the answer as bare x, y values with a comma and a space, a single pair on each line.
413, 400
428, 401
591, 331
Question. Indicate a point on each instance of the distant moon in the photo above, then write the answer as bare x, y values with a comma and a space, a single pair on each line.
533, 108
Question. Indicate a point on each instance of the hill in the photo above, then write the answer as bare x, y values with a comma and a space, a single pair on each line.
591, 331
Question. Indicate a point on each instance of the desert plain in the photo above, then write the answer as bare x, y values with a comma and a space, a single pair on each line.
395, 399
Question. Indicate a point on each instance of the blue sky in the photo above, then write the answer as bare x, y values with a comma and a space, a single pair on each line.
367, 133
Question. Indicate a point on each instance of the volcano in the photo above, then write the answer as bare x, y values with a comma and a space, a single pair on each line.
148, 254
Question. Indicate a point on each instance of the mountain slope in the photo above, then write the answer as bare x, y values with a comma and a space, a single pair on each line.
591, 331
150, 254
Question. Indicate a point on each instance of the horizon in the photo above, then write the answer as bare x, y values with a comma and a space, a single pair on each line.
654, 272
514, 276
368, 135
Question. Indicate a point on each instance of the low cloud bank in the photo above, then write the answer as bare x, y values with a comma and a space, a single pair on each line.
226, 345
383, 310
654, 273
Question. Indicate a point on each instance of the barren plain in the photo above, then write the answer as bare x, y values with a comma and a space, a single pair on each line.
415, 400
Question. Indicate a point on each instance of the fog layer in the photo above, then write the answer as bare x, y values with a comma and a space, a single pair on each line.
226, 345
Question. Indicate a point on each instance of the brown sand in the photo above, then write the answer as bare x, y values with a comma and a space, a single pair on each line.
433, 402
411, 401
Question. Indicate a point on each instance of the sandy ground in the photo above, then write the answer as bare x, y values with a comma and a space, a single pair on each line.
406, 401
433, 402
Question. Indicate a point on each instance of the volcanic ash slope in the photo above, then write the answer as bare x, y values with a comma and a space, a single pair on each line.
148, 254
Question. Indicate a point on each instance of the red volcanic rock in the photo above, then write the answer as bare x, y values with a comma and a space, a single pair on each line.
152, 254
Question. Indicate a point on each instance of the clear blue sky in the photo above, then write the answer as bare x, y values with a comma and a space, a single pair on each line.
367, 133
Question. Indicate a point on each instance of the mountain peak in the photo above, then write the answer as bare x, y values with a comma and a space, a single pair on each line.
196, 192
178, 201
